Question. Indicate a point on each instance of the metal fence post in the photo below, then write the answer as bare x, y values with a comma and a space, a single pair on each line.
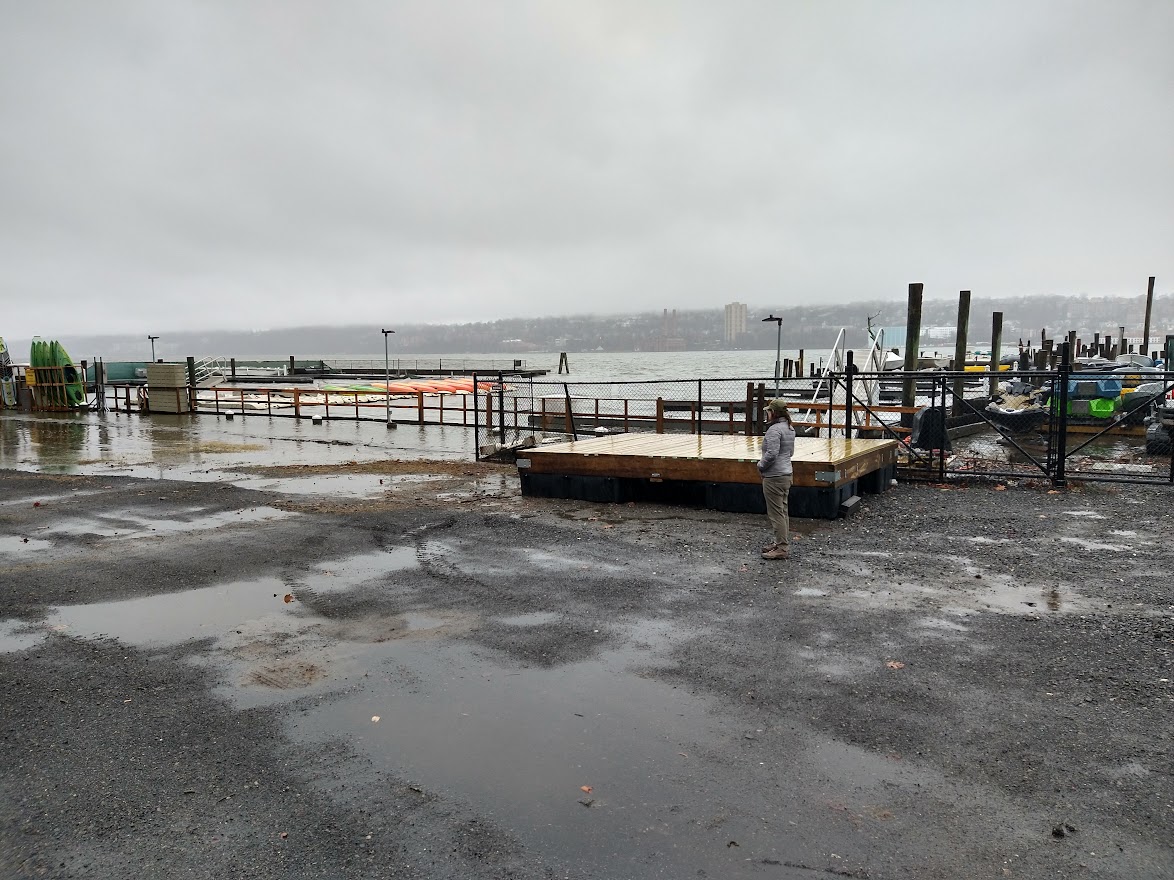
849, 370
699, 401
476, 421
945, 434
1064, 370
501, 407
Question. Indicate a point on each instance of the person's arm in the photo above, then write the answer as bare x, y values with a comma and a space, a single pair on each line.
787, 443
770, 449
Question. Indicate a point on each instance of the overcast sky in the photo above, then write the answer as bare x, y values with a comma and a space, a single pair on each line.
168, 165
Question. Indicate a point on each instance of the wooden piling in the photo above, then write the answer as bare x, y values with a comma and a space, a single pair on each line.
912, 342
1149, 307
996, 350
960, 346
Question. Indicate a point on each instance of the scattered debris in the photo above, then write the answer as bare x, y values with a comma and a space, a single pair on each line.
375, 719
894, 664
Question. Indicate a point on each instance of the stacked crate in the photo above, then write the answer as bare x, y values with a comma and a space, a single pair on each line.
167, 388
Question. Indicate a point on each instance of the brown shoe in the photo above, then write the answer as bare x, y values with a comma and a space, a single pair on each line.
776, 553
770, 546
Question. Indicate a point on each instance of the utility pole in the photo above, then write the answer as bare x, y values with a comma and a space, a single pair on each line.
152, 338
387, 377
778, 348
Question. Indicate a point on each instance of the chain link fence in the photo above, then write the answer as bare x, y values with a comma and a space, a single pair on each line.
1036, 424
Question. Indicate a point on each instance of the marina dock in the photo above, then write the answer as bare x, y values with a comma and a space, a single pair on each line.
707, 470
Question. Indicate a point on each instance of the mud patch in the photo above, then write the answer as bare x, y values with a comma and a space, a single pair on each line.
287, 676
220, 446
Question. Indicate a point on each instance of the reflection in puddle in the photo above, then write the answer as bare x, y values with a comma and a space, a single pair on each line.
18, 544
342, 485
131, 524
342, 574
519, 744
16, 635
175, 617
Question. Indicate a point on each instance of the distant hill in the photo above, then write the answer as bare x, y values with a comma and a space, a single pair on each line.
812, 326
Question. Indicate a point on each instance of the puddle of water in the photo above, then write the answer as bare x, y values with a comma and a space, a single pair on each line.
131, 524
1093, 545
175, 617
534, 618
30, 500
494, 484
564, 561
19, 544
810, 591
519, 744
337, 575
1086, 514
338, 485
1123, 533
186, 448
16, 635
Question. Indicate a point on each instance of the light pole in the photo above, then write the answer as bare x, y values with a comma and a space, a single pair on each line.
152, 338
387, 377
778, 348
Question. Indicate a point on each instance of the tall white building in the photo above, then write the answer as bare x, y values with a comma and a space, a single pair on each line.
735, 321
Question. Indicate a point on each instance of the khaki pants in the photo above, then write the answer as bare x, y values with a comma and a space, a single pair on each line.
776, 491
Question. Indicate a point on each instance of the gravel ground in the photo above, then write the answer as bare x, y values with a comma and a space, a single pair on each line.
954, 683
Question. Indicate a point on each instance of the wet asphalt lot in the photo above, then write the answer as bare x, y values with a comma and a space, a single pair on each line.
954, 683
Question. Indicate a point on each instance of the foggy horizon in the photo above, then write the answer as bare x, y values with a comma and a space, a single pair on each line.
214, 166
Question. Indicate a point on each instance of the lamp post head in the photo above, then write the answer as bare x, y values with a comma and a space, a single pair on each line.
772, 317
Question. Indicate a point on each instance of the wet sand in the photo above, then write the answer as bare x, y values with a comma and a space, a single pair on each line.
356, 663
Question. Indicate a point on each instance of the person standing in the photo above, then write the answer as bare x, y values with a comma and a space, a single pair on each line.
775, 467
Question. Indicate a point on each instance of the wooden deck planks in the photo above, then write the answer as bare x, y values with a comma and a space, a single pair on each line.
817, 462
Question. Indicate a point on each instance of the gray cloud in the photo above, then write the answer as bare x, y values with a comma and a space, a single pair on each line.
269, 164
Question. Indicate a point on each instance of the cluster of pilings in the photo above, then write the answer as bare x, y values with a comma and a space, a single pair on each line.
1045, 357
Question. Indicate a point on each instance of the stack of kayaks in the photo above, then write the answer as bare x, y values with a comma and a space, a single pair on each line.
453, 385
7, 382
58, 381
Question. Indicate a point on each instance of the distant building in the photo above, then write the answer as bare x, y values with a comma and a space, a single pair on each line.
735, 323
670, 339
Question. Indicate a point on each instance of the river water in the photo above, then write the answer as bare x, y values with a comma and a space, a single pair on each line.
638, 366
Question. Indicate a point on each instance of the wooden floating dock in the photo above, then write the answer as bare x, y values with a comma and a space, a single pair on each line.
716, 471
